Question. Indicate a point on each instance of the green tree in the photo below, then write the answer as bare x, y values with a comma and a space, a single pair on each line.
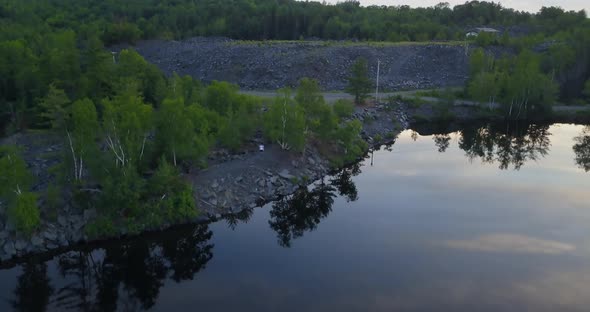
319, 116
127, 122
343, 108
176, 133
485, 87
309, 96
82, 138
359, 83
284, 122
174, 197
221, 96
15, 183
53, 108
349, 139
25, 213
15, 178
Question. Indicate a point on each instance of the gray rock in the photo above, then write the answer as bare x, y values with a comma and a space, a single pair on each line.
89, 214
50, 235
51, 246
239, 179
20, 244
9, 249
37, 241
285, 174
61, 240
78, 225
61, 220
311, 161
215, 185
274, 180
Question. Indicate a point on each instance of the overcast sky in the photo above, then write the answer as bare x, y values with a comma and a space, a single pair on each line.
526, 5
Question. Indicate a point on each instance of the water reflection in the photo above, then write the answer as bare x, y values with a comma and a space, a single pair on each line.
442, 141
582, 149
32, 283
508, 144
302, 212
126, 276
428, 238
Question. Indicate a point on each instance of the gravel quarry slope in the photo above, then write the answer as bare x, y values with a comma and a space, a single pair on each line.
272, 65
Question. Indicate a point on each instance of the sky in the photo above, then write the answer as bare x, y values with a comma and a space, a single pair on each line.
524, 5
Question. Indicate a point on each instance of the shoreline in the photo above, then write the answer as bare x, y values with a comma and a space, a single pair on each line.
237, 183
233, 183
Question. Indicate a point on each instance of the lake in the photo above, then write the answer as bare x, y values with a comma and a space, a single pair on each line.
474, 218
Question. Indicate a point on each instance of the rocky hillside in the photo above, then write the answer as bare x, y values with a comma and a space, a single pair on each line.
272, 65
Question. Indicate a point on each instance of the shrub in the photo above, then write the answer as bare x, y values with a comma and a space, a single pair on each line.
343, 108
25, 213
101, 227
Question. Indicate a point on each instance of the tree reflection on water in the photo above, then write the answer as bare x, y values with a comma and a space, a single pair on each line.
302, 212
509, 144
126, 276
33, 288
582, 149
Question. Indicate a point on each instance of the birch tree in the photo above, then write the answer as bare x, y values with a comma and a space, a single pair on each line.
15, 184
82, 137
177, 134
284, 123
127, 123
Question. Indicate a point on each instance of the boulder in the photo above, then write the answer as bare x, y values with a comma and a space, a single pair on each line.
286, 175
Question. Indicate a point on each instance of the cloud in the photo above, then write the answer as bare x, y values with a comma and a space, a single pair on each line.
511, 243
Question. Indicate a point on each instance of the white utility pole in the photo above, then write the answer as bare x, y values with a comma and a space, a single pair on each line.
377, 88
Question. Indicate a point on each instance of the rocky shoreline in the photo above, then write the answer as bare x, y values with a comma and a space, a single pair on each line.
231, 184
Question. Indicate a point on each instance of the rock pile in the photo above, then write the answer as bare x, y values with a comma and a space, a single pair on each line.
269, 66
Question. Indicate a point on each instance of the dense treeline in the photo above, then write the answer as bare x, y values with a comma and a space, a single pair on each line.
124, 153
118, 21
530, 80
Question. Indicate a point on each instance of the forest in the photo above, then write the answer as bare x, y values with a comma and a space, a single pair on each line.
129, 131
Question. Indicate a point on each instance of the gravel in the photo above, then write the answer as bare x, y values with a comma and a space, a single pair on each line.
269, 66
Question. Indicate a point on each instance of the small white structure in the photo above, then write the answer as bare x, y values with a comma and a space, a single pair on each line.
472, 33
261, 147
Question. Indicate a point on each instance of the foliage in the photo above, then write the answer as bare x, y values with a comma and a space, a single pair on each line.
174, 200
53, 108
177, 136
582, 149
516, 83
343, 108
15, 177
101, 227
284, 122
84, 131
127, 121
350, 142
359, 83
25, 213
15, 183
309, 96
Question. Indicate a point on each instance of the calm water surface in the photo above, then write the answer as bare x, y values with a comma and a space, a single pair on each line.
492, 218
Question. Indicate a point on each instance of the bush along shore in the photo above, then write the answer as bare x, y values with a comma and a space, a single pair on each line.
233, 181
138, 161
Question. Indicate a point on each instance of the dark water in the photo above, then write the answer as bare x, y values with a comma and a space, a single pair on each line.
493, 218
